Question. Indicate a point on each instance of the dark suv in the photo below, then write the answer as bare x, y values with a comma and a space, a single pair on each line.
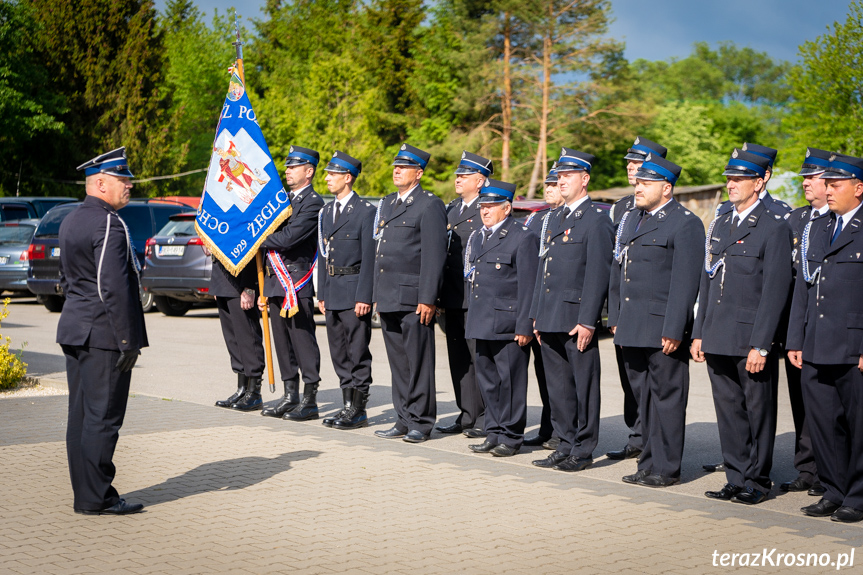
142, 218
176, 268
25, 208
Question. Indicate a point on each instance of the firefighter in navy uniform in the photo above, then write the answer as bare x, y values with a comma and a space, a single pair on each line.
654, 284
825, 339
634, 158
294, 245
410, 227
815, 190
501, 262
462, 220
345, 277
545, 434
240, 320
101, 331
571, 287
744, 288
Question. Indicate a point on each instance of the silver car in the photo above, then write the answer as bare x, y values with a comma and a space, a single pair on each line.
15, 239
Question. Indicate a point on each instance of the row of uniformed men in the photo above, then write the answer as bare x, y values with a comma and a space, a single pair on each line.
495, 295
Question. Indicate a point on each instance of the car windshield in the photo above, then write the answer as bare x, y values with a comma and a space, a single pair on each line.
179, 228
16, 235
49, 227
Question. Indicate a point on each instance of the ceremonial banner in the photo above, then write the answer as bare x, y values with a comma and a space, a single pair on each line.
243, 200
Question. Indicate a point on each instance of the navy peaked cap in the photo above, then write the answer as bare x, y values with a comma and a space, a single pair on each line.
344, 164
815, 162
763, 151
474, 164
551, 178
496, 191
642, 147
746, 165
113, 163
410, 156
656, 168
298, 155
571, 160
843, 167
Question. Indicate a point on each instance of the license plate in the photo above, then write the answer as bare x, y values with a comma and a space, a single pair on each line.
171, 251
3, 260
55, 252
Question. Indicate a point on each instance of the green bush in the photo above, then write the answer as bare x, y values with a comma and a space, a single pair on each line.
12, 369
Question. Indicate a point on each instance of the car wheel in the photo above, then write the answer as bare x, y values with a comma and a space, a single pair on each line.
53, 303
170, 306
147, 301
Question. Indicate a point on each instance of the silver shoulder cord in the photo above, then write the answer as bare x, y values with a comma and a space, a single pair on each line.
322, 248
543, 250
815, 277
620, 253
102, 258
469, 271
376, 235
709, 266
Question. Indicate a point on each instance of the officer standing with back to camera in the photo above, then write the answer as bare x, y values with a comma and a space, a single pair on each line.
410, 227
500, 264
240, 320
572, 284
345, 277
462, 220
101, 331
826, 341
815, 190
744, 287
654, 284
534, 222
294, 246
635, 443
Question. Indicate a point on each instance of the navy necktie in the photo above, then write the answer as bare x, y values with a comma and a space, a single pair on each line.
837, 231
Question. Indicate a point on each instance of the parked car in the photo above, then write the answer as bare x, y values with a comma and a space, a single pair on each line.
28, 207
14, 242
176, 268
142, 217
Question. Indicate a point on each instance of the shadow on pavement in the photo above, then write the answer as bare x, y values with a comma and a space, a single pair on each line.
227, 475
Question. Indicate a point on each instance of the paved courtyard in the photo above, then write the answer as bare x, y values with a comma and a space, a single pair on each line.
230, 492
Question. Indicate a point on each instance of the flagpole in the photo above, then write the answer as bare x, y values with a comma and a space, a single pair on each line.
259, 258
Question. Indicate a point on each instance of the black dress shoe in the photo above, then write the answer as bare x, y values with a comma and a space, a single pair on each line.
484, 447
550, 461
656, 480
119, 508
635, 477
726, 493
798, 484
552, 444
817, 490
391, 433
712, 467
503, 450
415, 436
451, 428
750, 497
627, 452
474, 433
573, 463
847, 515
534, 440
824, 508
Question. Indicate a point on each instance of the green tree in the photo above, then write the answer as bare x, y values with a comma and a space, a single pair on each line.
827, 110
28, 105
197, 59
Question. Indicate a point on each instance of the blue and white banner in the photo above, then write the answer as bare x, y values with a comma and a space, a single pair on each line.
244, 199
